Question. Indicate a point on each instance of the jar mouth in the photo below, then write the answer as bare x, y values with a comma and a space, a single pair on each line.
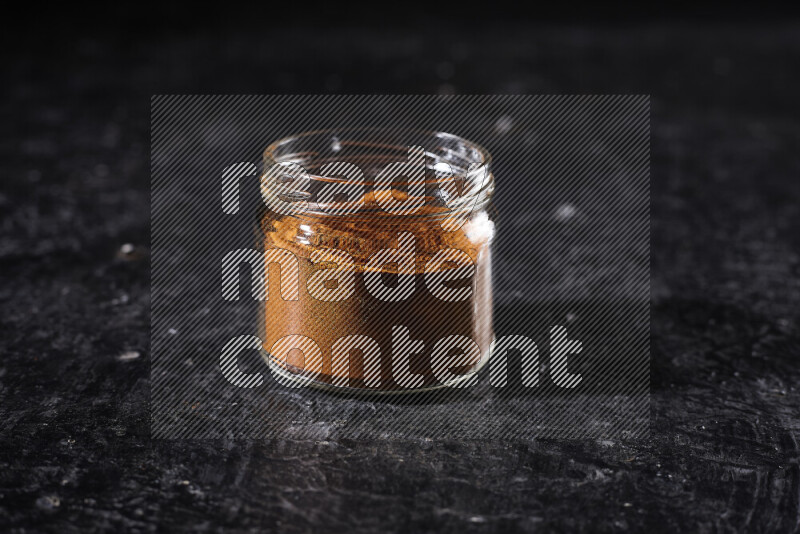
450, 173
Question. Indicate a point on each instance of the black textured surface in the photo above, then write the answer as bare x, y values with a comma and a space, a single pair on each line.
723, 452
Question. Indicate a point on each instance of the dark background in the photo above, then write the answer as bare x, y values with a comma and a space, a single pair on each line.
74, 303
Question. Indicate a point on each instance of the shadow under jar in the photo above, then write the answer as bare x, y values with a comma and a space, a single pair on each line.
377, 251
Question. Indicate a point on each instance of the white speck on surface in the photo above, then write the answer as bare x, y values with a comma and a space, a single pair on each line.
127, 248
48, 502
128, 356
172, 331
123, 299
565, 212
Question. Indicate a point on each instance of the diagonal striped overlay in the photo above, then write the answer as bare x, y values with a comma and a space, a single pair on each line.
570, 264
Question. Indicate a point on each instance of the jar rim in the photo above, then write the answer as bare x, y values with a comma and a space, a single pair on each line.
270, 150
467, 169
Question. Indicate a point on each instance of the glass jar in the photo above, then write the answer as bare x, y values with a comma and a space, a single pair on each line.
377, 248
